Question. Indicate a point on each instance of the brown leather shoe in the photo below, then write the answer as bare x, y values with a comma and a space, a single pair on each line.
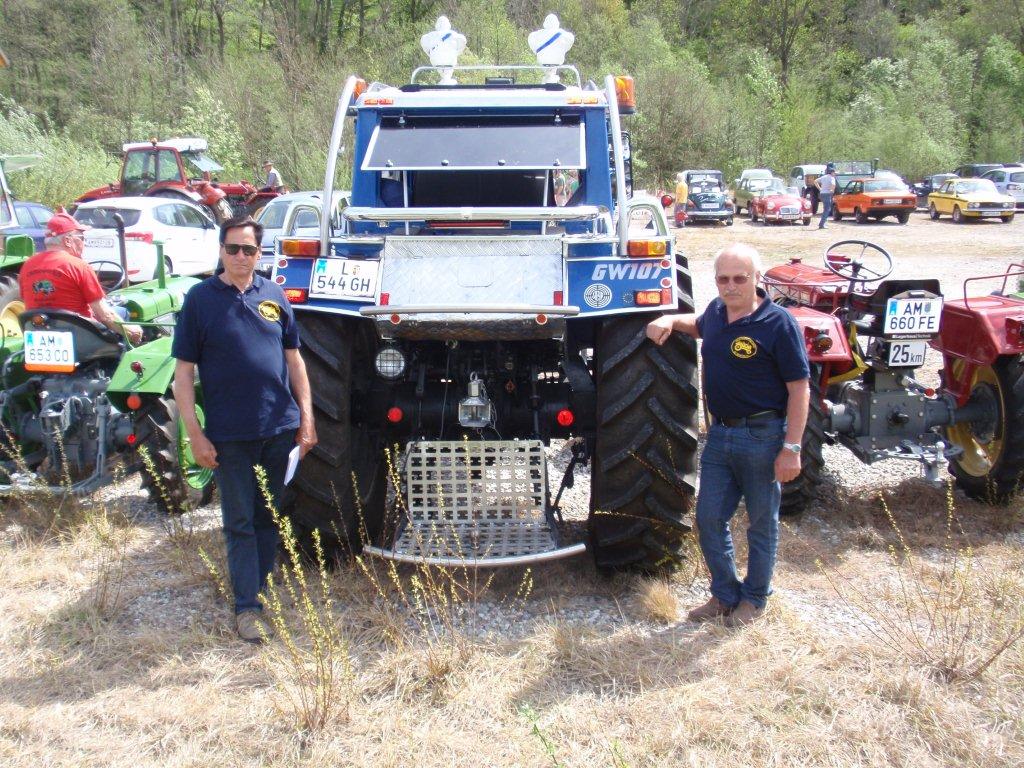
711, 610
248, 624
743, 614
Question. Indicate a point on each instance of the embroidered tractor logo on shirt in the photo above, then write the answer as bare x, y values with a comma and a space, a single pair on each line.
744, 347
42, 287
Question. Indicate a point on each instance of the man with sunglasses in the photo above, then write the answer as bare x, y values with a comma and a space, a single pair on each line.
756, 388
240, 332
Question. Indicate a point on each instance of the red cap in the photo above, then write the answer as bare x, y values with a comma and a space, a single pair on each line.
61, 223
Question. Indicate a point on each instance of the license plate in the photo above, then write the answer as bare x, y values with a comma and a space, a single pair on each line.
991, 213
907, 354
101, 242
707, 206
50, 351
344, 279
912, 316
892, 201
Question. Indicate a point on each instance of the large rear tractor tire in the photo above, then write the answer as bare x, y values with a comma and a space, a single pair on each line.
338, 353
798, 494
643, 480
11, 306
176, 482
991, 467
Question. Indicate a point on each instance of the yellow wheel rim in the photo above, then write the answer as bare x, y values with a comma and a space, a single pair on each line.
9, 318
982, 447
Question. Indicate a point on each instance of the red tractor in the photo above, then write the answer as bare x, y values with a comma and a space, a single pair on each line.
180, 168
866, 337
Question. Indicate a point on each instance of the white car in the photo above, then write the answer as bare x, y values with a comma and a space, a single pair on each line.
295, 214
1010, 181
188, 234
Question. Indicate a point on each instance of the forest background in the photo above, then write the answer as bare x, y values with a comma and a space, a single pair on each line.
920, 85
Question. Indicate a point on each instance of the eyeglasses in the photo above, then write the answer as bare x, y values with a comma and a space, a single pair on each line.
232, 249
735, 279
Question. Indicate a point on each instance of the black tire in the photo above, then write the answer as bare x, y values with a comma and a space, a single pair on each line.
991, 469
836, 213
860, 216
1007, 219
933, 212
958, 216
728, 222
903, 217
338, 353
643, 479
174, 489
798, 494
11, 306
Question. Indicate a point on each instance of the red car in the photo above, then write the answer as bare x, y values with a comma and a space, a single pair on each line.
777, 204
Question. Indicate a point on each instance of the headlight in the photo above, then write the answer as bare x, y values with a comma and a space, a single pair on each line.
974, 205
1007, 205
389, 363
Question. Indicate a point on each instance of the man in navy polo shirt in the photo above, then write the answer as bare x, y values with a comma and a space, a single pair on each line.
239, 330
756, 386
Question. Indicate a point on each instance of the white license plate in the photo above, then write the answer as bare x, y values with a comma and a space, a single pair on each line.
907, 354
991, 213
51, 351
912, 316
892, 201
344, 279
708, 206
100, 242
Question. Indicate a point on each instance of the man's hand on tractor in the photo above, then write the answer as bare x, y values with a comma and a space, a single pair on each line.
306, 437
660, 329
787, 466
133, 332
203, 451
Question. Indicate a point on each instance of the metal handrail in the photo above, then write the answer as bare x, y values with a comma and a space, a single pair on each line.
615, 126
501, 68
470, 309
1005, 275
327, 202
504, 213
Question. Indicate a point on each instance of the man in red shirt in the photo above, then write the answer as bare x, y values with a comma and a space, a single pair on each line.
58, 278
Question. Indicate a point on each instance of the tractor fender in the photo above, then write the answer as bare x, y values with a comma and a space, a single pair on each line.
171, 189
153, 374
814, 324
208, 193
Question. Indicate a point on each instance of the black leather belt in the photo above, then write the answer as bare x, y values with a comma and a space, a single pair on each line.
754, 418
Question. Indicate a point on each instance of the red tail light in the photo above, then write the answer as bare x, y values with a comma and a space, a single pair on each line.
133, 401
143, 237
557, 299
565, 418
296, 295
395, 415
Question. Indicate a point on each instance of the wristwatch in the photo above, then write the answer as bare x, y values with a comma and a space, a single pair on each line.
794, 447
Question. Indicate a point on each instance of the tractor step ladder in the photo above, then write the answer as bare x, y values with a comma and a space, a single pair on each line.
476, 503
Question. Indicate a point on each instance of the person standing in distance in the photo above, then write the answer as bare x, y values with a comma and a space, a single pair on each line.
756, 386
826, 184
240, 332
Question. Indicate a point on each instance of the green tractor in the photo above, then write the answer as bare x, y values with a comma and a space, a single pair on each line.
77, 399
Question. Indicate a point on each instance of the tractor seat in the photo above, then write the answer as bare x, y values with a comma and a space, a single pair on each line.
872, 306
93, 340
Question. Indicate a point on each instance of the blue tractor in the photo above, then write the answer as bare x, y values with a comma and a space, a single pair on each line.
486, 292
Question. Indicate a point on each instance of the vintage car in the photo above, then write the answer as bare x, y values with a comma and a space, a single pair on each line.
874, 197
749, 188
774, 203
965, 199
927, 185
749, 174
706, 199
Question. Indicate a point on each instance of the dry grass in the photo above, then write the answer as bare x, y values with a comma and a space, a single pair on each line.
806, 687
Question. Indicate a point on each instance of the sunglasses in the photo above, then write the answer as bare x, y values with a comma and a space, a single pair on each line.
734, 279
232, 249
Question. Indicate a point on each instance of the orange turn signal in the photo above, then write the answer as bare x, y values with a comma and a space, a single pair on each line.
644, 248
653, 297
625, 93
296, 247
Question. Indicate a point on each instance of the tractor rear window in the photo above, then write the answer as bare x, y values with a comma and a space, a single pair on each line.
103, 218
478, 188
476, 144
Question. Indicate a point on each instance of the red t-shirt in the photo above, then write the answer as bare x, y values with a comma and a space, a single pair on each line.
59, 280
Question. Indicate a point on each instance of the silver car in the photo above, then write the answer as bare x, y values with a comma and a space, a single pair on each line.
297, 213
1010, 181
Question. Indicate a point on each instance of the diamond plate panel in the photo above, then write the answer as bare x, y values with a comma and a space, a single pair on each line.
472, 270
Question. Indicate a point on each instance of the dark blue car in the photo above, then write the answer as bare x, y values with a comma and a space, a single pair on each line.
32, 219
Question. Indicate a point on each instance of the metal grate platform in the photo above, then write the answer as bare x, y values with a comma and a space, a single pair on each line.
476, 503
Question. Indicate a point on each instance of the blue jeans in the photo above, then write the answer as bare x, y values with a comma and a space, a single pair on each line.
825, 198
249, 530
739, 462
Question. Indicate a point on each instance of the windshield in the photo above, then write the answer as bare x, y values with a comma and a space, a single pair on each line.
769, 186
884, 185
102, 218
201, 162
977, 185
272, 216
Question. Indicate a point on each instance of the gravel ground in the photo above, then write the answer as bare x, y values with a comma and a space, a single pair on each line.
157, 594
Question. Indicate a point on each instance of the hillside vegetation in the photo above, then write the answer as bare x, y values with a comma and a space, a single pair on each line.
919, 84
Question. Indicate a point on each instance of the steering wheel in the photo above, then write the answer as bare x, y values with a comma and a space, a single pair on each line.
853, 266
110, 274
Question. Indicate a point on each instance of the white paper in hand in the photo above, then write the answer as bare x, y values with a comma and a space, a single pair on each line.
293, 464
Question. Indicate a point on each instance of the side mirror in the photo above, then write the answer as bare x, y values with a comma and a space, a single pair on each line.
667, 200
